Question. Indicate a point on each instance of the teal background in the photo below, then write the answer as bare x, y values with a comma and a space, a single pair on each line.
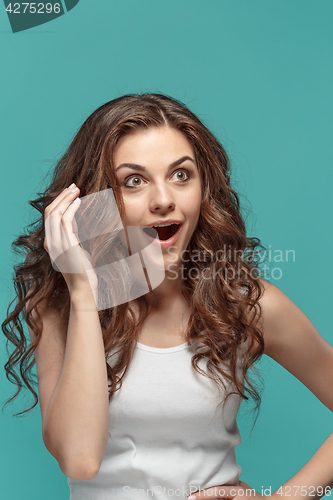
259, 75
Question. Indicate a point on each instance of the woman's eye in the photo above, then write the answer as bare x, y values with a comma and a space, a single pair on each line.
182, 175
134, 179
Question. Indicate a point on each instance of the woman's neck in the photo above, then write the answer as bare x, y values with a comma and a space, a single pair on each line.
165, 294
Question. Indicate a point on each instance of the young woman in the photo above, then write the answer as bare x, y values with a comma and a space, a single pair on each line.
140, 399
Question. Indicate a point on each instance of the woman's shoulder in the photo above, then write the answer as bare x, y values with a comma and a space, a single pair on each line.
269, 294
272, 301
277, 314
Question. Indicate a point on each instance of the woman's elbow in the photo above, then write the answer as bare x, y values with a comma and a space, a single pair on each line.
75, 467
80, 470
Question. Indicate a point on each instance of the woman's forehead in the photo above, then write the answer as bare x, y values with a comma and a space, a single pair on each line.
146, 145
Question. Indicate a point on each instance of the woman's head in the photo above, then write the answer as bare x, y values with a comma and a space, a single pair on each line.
187, 179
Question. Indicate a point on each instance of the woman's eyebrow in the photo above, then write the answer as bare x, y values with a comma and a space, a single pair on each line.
134, 166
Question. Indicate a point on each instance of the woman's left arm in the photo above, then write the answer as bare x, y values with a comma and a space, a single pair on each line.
295, 343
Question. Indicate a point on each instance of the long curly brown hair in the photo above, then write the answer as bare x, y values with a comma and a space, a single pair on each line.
223, 293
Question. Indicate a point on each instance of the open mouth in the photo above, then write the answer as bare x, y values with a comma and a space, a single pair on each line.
164, 233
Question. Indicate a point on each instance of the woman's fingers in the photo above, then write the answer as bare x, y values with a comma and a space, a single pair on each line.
66, 227
72, 260
58, 200
62, 244
80, 259
53, 215
225, 492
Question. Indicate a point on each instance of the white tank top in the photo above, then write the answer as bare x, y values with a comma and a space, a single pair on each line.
167, 436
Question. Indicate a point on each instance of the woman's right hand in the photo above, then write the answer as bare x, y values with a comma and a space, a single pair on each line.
63, 246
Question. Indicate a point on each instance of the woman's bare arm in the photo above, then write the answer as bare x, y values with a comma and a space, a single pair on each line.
76, 425
73, 386
293, 341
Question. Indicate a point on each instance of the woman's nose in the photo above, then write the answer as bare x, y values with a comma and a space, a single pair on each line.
161, 200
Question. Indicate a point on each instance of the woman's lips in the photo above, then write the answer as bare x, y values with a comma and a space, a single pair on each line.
165, 243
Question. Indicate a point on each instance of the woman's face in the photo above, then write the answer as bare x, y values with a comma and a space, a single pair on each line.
160, 184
